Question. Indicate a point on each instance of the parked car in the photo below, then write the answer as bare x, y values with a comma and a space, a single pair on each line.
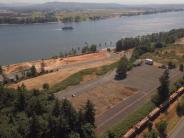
149, 61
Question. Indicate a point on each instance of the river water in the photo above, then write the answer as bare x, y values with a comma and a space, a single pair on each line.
20, 43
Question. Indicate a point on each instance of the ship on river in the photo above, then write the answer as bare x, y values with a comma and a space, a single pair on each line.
67, 28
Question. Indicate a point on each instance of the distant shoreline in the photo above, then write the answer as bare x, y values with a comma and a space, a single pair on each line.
102, 18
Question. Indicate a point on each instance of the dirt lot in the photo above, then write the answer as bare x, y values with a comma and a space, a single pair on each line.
107, 93
70, 66
104, 96
56, 62
174, 53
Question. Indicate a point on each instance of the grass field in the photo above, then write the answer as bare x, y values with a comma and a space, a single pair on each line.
76, 78
173, 53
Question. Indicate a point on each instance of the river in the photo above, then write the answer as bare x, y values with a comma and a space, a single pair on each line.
20, 43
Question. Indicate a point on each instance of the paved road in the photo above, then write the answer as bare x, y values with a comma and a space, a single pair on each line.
144, 78
77, 90
179, 131
149, 85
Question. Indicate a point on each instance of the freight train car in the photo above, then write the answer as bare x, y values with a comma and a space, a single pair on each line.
153, 114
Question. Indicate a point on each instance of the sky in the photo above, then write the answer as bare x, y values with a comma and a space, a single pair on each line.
99, 1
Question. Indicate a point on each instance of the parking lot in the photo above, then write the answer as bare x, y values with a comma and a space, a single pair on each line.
115, 99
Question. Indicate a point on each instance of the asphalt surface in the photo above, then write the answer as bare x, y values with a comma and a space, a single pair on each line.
144, 78
179, 131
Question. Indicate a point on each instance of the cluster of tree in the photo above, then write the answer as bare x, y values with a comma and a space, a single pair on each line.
27, 20
80, 50
124, 65
73, 19
122, 69
81, 18
149, 43
38, 114
89, 49
96, 18
162, 91
160, 130
85, 50
33, 71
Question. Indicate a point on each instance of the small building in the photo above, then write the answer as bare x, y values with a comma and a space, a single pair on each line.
149, 61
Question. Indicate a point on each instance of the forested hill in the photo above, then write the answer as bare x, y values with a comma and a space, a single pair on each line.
63, 6
35, 114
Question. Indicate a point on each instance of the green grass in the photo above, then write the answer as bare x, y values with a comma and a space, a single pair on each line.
105, 69
76, 78
134, 117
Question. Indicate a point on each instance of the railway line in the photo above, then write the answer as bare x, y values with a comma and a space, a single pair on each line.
137, 128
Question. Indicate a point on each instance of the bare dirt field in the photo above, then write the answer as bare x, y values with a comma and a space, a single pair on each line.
103, 96
56, 62
68, 67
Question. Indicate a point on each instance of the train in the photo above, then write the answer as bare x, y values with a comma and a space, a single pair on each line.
136, 129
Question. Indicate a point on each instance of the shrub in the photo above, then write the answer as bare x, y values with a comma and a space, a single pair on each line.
180, 107
181, 68
46, 86
162, 126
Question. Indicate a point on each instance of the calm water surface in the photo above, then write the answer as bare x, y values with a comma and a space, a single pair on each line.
20, 43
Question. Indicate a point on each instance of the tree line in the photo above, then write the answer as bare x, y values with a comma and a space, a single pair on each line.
35, 114
148, 43
27, 20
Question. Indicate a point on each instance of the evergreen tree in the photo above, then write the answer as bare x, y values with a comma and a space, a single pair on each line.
46, 86
163, 90
69, 113
122, 69
20, 102
56, 109
42, 66
34, 128
39, 108
33, 71
89, 113
93, 48
51, 127
35, 106
87, 131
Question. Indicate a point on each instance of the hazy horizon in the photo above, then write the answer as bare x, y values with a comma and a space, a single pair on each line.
98, 1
